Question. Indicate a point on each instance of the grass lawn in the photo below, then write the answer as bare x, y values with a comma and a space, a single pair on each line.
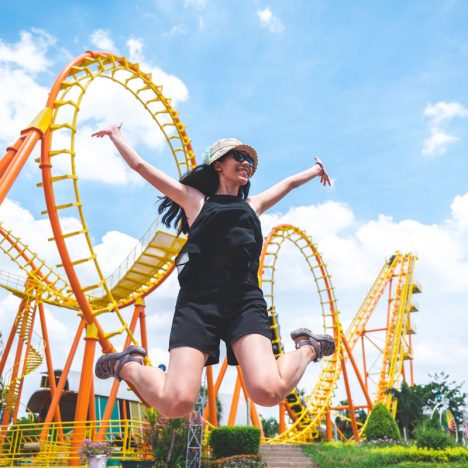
332, 455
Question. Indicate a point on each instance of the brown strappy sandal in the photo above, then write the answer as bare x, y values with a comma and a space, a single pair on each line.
105, 365
324, 345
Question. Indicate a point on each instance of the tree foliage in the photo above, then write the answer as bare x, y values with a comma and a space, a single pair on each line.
381, 424
413, 400
270, 426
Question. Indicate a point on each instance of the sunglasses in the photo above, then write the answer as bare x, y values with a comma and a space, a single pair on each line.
240, 156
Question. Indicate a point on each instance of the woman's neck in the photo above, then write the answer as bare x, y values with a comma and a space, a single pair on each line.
227, 189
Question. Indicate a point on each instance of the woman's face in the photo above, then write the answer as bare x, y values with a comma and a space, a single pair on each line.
238, 172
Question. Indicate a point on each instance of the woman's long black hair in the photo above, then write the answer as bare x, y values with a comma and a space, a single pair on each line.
205, 179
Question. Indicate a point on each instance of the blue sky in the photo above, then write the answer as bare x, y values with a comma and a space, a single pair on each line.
377, 89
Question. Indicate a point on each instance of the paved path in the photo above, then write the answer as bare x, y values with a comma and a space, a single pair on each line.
285, 456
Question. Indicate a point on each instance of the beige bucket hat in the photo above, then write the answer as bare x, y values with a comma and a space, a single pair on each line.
220, 147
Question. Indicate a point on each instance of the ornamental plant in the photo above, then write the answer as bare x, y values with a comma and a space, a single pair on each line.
238, 440
381, 424
91, 449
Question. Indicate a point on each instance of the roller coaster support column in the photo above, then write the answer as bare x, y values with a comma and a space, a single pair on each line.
20, 325
212, 413
48, 356
62, 381
11, 165
352, 415
207, 413
329, 425
25, 363
140, 309
82, 403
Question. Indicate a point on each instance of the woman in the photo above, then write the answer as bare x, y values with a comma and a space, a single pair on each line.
219, 296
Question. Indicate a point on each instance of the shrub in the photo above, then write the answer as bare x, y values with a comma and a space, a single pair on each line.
431, 437
381, 424
239, 440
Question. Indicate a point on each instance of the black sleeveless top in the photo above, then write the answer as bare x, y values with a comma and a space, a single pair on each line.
223, 246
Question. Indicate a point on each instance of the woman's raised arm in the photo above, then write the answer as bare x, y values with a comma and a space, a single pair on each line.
265, 200
179, 193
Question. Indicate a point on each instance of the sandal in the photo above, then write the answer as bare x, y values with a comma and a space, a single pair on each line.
324, 345
105, 365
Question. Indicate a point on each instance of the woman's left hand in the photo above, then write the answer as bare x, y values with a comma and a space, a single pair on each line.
324, 179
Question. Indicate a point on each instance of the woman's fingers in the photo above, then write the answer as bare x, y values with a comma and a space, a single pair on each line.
107, 131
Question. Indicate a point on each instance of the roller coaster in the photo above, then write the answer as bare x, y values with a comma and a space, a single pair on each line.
302, 417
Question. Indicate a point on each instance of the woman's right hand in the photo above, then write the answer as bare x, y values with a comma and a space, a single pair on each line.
110, 131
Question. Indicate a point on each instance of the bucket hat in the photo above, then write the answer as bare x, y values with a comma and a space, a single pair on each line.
220, 147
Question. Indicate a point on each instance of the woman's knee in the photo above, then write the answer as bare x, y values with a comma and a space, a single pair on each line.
267, 394
178, 405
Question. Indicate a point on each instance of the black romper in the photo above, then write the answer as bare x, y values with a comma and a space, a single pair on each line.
219, 296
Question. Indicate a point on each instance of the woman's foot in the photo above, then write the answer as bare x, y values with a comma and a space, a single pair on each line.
323, 345
110, 365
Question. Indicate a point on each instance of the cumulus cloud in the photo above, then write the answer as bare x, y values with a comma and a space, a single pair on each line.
21, 96
439, 115
30, 52
445, 111
135, 49
438, 142
103, 41
269, 21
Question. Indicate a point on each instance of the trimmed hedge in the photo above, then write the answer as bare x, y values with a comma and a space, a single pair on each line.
238, 440
430, 437
381, 424
333, 454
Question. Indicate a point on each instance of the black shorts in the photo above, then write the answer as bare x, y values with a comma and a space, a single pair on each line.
204, 317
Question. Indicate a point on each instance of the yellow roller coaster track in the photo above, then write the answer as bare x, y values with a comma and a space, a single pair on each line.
306, 415
64, 102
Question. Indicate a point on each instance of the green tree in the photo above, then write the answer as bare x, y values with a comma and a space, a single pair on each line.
381, 424
270, 426
442, 386
410, 404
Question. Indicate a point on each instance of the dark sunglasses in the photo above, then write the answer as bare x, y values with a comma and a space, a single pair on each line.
240, 156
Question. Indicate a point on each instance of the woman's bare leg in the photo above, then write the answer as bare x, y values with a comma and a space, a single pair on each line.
268, 380
175, 394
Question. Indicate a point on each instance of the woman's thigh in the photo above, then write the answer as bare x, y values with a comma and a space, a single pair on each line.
256, 359
185, 371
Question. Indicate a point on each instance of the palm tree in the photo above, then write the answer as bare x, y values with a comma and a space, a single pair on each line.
409, 407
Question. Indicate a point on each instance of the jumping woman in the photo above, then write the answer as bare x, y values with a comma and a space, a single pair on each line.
219, 297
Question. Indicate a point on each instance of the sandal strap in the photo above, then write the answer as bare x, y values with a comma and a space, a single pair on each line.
315, 344
126, 359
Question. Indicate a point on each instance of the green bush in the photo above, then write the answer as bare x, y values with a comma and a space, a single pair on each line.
431, 437
239, 440
381, 424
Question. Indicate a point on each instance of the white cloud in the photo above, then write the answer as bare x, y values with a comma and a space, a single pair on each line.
135, 49
445, 111
21, 99
103, 41
439, 114
437, 143
30, 52
21, 96
269, 21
